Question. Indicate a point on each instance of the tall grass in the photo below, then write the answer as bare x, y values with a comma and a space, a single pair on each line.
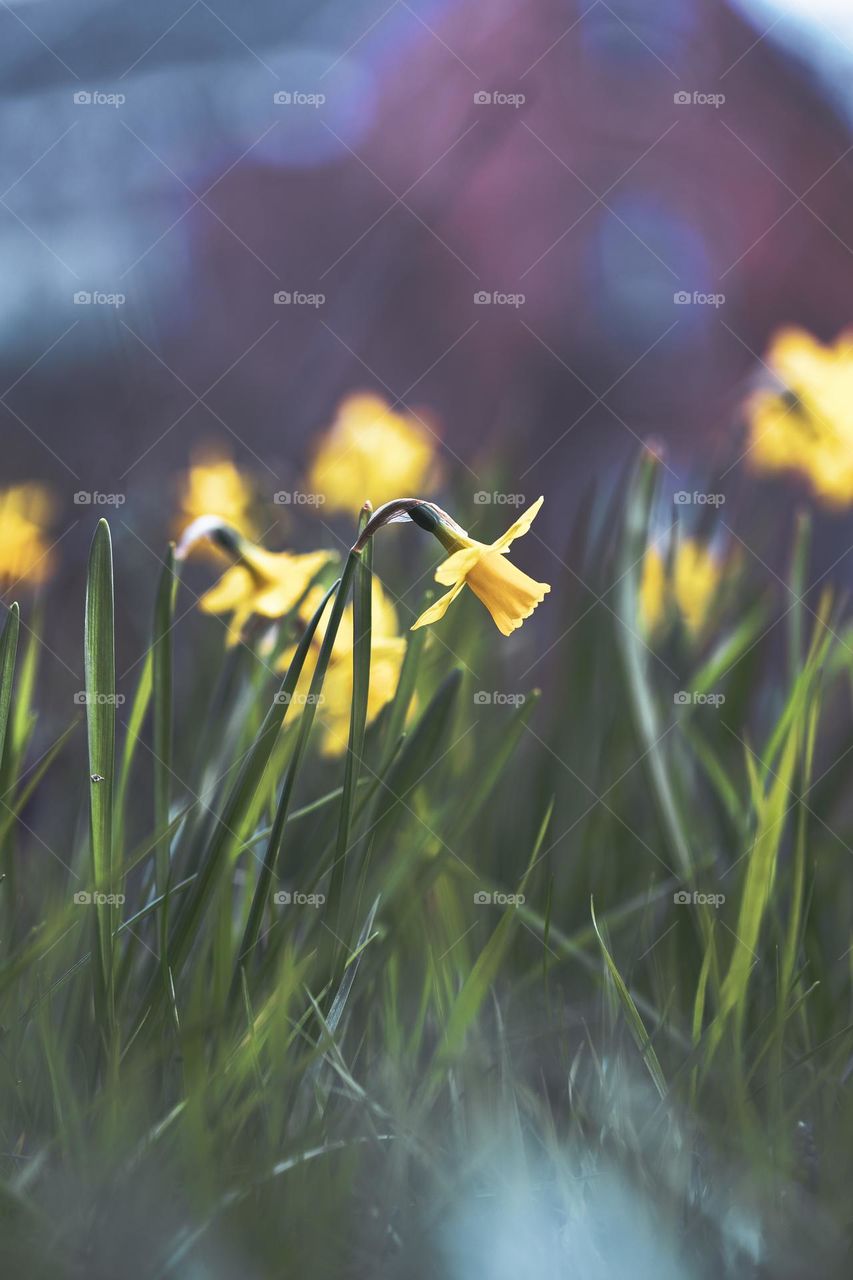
534, 986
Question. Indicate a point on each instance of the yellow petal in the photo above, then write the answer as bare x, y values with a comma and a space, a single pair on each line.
457, 565
235, 586
519, 527
437, 610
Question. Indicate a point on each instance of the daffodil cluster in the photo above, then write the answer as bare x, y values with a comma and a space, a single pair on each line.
681, 583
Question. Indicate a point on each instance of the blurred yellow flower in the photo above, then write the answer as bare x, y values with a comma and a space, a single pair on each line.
214, 485
26, 510
686, 588
371, 453
808, 425
387, 650
509, 594
266, 583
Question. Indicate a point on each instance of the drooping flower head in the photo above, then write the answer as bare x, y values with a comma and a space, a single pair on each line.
805, 424
508, 593
26, 511
266, 583
370, 453
387, 650
683, 585
213, 485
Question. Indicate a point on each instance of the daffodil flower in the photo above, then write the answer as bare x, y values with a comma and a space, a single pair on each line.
266, 583
806, 423
25, 556
508, 593
387, 650
371, 453
215, 486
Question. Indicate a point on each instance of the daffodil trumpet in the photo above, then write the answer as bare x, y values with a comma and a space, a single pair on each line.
508, 593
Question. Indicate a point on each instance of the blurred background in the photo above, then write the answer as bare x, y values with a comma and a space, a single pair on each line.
218, 219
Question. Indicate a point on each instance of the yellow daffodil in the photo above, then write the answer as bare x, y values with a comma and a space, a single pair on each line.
686, 588
214, 485
509, 594
807, 424
370, 453
26, 510
261, 582
387, 650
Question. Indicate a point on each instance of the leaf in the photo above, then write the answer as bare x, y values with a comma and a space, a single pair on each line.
99, 645
632, 1014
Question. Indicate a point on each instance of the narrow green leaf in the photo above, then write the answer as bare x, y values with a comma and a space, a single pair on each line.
99, 647
632, 1013
161, 676
259, 901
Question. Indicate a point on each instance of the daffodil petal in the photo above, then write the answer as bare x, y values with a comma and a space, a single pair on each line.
437, 610
519, 527
457, 565
226, 594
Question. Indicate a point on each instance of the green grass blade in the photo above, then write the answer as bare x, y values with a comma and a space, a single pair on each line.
100, 719
161, 681
362, 588
632, 1013
273, 851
